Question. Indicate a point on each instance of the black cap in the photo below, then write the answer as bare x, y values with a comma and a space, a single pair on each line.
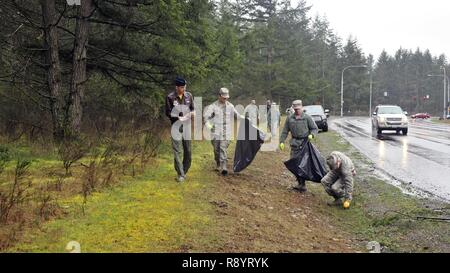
179, 81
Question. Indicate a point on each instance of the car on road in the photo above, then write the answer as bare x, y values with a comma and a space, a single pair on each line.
319, 115
389, 117
421, 115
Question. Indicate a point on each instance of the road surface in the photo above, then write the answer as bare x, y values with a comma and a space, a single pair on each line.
420, 160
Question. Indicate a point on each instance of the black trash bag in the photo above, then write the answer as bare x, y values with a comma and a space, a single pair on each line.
250, 140
309, 165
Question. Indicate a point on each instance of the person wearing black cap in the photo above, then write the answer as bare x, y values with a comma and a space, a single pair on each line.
180, 107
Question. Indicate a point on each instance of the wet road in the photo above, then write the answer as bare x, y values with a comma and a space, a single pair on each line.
420, 160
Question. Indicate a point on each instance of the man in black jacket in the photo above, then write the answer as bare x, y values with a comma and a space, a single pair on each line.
179, 109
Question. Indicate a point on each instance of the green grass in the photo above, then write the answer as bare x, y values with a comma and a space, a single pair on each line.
444, 121
39, 157
152, 213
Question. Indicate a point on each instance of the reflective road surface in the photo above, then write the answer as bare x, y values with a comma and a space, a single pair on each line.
421, 159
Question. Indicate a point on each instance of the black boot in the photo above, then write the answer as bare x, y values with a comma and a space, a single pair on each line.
301, 187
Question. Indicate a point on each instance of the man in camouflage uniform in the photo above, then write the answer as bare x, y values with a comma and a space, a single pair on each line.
339, 180
275, 118
302, 128
219, 118
251, 112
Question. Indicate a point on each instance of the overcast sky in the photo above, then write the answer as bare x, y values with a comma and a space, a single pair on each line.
389, 24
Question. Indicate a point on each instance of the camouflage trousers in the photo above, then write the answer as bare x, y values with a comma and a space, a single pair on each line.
333, 183
220, 152
296, 147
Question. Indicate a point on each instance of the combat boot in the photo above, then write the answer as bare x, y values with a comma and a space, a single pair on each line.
301, 187
224, 171
336, 203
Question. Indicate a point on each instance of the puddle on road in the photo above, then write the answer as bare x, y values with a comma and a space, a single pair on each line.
404, 161
381, 153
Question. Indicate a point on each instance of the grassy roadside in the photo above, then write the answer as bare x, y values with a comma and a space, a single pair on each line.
151, 213
443, 121
382, 212
254, 211
250, 212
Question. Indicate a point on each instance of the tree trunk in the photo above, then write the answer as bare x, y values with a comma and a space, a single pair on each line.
78, 81
51, 45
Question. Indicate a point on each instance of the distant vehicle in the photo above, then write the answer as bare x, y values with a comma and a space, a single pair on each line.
319, 115
389, 117
421, 115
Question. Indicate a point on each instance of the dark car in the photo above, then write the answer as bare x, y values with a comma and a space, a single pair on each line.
421, 115
319, 116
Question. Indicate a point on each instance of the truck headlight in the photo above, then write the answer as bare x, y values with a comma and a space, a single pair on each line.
381, 119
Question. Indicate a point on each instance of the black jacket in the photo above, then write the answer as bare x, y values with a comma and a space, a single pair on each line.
173, 101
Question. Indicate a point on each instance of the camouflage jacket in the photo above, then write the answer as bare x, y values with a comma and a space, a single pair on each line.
299, 128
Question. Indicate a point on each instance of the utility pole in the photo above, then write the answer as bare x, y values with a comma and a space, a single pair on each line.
445, 91
370, 94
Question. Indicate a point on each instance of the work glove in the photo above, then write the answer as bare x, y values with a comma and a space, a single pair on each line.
346, 204
310, 137
281, 146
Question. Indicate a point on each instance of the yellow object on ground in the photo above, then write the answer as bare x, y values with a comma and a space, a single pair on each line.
346, 204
